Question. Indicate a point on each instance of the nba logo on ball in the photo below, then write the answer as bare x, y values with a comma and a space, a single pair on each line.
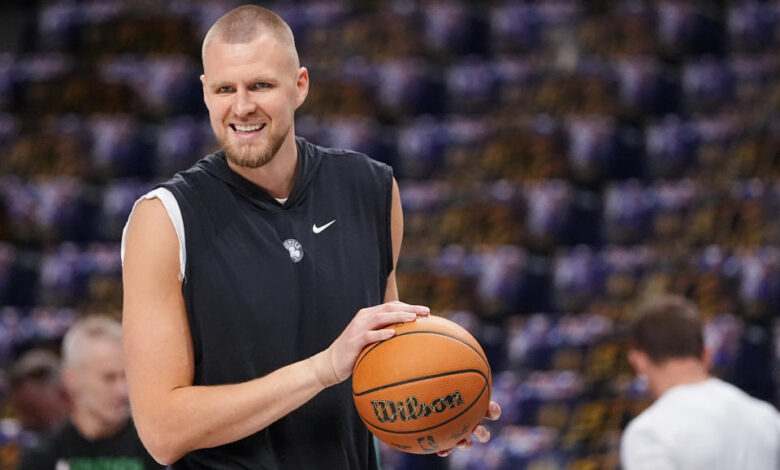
425, 389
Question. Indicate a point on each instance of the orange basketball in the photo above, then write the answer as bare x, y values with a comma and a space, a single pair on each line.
425, 389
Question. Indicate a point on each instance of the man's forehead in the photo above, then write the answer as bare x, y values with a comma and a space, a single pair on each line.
222, 55
262, 37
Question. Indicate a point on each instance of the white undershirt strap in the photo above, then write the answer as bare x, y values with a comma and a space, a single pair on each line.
174, 213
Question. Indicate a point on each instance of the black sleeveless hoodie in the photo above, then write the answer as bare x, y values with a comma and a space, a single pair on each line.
268, 284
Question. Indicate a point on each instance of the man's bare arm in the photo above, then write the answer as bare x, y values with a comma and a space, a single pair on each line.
172, 415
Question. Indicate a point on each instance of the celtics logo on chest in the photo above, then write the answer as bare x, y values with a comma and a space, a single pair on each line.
295, 249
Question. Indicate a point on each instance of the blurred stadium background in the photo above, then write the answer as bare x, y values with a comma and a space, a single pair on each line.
559, 161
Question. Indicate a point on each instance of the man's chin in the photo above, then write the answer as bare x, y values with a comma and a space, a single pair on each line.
117, 418
247, 158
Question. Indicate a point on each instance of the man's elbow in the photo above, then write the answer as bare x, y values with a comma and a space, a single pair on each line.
162, 445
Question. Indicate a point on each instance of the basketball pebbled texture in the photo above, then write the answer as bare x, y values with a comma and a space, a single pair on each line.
426, 388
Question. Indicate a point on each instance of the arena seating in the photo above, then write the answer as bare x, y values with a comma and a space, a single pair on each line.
559, 161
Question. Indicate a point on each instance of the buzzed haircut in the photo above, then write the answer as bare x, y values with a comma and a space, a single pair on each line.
84, 332
666, 328
37, 365
243, 24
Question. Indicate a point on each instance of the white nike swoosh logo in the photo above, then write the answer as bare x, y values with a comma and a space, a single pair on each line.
316, 229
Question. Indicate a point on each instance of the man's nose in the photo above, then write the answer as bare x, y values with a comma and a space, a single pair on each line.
243, 105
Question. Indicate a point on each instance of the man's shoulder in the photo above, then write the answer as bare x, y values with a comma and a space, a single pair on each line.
195, 178
735, 398
340, 156
191, 174
656, 417
648, 420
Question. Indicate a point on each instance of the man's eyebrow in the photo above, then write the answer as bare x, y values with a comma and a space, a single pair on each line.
262, 79
219, 84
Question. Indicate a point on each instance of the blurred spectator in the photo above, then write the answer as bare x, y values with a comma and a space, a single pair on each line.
99, 430
697, 421
752, 26
671, 147
38, 396
360, 134
117, 202
578, 278
707, 84
688, 28
410, 86
120, 147
52, 210
516, 27
471, 85
647, 86
22, 329
421, 147
166, 84
628, 210
451, 27
592, 148
180, 141
549, 207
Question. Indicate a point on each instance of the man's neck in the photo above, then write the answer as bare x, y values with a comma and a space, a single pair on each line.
277, 176
676, 372
92, 428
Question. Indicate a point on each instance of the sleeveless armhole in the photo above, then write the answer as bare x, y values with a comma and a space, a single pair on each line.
174, 213
389, 223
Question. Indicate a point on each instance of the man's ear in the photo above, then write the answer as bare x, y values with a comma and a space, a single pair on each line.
639, 361
69, 379
203, 81
302, 85
706, 357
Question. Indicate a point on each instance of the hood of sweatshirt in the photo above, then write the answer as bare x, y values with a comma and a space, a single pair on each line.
309, 161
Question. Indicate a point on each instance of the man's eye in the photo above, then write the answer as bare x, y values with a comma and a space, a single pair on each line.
259, 85
224, 89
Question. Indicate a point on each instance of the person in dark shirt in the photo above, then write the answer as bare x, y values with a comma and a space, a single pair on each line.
253, 280
37, 395
98, 433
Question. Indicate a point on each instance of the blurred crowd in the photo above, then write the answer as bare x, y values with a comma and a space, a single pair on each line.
559, 161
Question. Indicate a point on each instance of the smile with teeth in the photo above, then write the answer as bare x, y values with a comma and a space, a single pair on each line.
252, 128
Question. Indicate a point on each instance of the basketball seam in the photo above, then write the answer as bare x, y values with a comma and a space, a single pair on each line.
484, 359
432, 427
417, 379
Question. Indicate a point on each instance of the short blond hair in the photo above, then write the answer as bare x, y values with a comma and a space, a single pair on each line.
85, 331
243, 24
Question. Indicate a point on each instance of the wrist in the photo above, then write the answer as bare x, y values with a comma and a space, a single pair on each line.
322, 363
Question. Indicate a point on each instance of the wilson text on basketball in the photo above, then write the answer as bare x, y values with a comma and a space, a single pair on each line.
388, 411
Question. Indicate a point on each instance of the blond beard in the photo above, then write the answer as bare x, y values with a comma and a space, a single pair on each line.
252, 156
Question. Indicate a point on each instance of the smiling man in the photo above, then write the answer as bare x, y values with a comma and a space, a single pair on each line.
252, 85
253, 280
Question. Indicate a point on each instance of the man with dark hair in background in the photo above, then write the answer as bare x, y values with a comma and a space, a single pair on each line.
37, 395
98, 433
697, 422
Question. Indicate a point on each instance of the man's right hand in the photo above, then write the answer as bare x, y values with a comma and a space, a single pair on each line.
335, 364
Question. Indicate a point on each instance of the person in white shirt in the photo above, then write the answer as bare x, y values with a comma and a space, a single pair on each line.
697, 422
